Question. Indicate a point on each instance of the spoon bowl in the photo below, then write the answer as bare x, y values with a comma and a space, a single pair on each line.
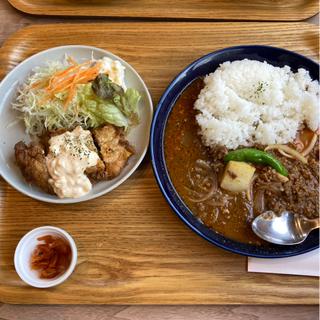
288, 228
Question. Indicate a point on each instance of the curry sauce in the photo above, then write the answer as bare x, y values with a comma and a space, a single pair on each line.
183, 147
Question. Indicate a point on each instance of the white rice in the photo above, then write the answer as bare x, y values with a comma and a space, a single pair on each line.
246, 102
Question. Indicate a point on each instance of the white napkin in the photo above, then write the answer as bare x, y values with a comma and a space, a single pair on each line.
306, 264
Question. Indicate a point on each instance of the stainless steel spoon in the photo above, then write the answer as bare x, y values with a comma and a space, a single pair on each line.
288, 228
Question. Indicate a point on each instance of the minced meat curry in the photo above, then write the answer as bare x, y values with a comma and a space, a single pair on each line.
204, 179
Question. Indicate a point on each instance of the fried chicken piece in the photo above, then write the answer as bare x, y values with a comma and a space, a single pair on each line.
31, 160
115, 150
97, 172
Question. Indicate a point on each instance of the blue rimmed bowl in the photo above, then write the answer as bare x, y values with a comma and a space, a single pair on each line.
201, 67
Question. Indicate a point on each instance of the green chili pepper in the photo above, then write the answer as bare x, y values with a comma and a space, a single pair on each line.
256, 156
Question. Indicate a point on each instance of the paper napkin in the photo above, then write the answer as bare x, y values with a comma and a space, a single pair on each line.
306, 264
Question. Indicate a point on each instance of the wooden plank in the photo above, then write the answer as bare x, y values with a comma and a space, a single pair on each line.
132, 248
18, 312
283, 10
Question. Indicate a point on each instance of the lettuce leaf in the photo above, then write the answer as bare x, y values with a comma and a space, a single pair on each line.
104, 88
126, 101
98, 111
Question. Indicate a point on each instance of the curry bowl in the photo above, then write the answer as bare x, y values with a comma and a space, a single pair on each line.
277, 57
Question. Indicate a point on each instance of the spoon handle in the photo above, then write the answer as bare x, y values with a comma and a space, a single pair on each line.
311, 224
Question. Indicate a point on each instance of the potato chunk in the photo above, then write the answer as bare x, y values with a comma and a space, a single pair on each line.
237, 176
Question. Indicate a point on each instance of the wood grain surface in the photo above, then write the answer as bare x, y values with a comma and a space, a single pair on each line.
132, 248
280, 10
12, 20
14, 312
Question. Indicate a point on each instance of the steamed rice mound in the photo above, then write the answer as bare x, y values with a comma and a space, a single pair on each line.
246, 102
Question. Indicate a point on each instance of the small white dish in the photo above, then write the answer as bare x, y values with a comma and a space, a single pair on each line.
12, 131
24, 252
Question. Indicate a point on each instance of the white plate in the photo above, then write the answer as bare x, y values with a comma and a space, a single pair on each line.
11, 134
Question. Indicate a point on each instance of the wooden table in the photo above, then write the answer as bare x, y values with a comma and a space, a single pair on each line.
12, 20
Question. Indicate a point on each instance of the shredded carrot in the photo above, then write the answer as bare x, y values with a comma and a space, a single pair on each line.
71, 92
70, 97
72, 68
83, 76
43, 100
57, 75
61, 86
39, 84
66, 80
60, 76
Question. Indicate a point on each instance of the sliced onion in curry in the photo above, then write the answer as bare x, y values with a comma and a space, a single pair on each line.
250, 211
258, 202
285, 154
273, 186
203, 180
259, 197
298, 144
249, 192
193, 192
204, 196
310, 146
202, 164
287, 150
216, 203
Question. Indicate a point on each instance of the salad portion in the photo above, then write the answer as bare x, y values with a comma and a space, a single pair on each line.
66, 94
78, 116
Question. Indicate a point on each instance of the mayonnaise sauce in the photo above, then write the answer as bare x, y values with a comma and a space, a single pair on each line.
68, 158
115, 71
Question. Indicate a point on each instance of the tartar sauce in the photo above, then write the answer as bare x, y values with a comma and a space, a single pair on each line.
69, 156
